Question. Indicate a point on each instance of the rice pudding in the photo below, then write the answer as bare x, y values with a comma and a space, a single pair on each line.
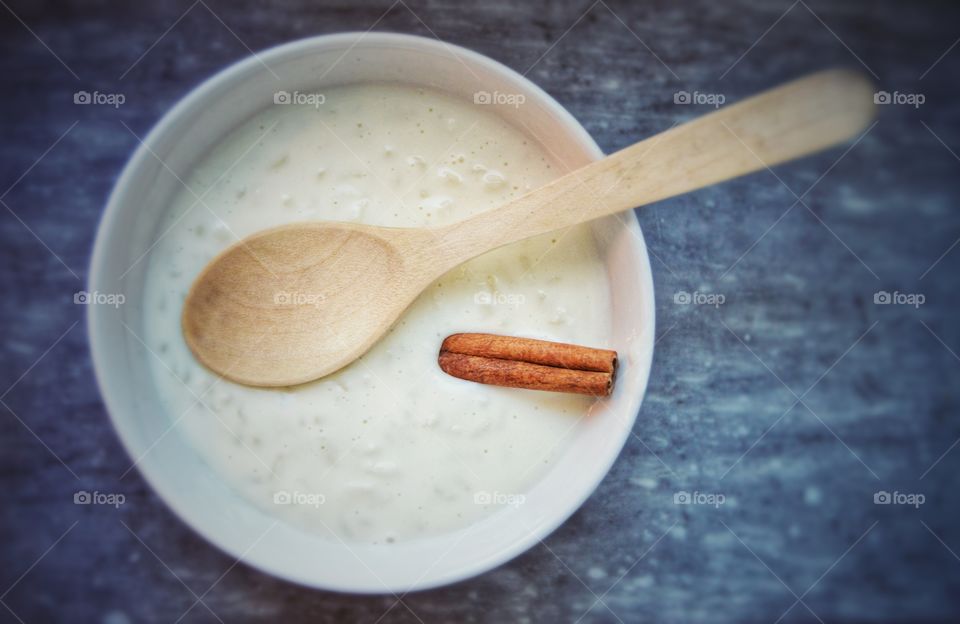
389, 448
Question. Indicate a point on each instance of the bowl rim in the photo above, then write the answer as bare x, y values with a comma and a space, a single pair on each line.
106, 232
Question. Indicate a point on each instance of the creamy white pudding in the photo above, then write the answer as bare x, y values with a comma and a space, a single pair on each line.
389, 448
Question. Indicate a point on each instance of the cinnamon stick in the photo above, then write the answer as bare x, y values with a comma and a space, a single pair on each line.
529, 363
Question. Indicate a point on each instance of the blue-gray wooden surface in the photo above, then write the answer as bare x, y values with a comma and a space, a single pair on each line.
797, 399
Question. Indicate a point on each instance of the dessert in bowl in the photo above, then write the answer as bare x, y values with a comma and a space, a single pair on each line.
388, 475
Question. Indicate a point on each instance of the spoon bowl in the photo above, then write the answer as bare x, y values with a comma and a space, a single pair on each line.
286, 304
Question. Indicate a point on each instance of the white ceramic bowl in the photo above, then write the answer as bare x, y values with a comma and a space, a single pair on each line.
130, 225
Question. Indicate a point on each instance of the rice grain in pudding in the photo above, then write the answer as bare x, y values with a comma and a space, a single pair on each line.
389, 448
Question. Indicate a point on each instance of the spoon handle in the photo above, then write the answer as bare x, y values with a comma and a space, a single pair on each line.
790, 121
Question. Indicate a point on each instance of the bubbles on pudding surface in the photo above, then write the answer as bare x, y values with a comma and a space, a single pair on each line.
389, 448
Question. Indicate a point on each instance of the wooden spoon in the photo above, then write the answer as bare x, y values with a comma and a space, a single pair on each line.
294, 303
